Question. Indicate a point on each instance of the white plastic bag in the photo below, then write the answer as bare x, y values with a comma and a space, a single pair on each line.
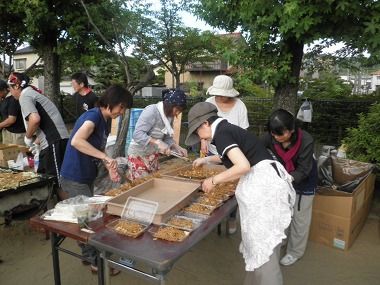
18, 164
305, 112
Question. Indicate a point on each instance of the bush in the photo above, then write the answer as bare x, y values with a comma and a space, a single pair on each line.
363, 142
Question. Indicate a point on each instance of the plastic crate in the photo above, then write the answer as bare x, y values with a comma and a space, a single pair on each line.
134, 116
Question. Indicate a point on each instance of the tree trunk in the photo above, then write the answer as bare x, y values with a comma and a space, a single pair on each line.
122, 135
285, 96
51, 73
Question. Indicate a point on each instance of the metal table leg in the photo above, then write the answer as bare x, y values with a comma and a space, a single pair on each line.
54, 251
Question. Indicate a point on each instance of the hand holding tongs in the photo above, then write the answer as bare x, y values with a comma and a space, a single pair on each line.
176, 154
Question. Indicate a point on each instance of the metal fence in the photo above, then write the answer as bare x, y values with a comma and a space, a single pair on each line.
331, 118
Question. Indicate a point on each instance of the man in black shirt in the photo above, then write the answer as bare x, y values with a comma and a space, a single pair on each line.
13, 128
84, 98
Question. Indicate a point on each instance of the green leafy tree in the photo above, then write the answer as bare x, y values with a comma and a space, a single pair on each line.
53, 29
328, 86
11, 35
172, 44
363, 142
276, 33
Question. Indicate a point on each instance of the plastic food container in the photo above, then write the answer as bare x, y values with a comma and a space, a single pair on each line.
168, 233
136, 217
182, 222
199, 209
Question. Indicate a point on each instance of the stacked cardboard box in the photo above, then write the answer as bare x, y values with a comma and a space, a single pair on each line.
7, 152
338, 217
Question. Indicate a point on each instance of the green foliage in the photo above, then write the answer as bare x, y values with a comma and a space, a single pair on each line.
247, 88
363, 142
328, 87
277, 31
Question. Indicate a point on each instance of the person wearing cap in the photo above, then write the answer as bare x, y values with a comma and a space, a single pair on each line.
224, 97
264, 193
294, 149
84, 98
44, 120
12, 127
153, 134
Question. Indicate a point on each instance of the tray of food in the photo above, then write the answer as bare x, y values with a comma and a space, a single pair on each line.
169, 233
182, 222
13, 181
199, 209
208, 200
194, 173
136, 217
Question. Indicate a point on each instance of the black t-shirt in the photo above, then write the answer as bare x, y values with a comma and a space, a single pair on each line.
11, 107
228, 136
84, 103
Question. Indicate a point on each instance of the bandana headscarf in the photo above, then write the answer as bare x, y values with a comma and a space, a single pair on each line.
13, 80
175, 97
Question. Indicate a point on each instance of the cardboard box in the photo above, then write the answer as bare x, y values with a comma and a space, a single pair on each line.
8, 152
338, 232
338, 217
344, 204
170, 195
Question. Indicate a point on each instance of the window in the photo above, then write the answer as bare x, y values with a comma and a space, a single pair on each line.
20, 64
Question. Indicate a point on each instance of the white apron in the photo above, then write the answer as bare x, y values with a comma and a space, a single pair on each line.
266, 206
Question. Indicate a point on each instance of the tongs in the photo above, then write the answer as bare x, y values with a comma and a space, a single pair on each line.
176, 154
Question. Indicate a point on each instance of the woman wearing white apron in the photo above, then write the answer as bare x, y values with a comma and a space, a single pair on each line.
264, 192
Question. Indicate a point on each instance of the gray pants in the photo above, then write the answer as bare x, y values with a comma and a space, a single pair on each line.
300, 226
267, 274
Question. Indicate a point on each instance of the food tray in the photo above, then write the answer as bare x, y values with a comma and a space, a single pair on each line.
196, 222
207, 209
138, 211
206, 167
193, 216
127, 234
209, 201
170, 195
155, 233
29, 183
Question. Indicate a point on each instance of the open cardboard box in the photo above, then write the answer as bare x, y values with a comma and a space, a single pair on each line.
170, 195
208, 167
338, 216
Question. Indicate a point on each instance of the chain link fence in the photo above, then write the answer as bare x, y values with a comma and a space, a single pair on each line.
331, 118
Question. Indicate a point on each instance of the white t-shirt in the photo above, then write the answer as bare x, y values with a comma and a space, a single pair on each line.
238, 116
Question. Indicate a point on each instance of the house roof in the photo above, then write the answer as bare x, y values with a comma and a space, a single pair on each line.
375, 73
25, 50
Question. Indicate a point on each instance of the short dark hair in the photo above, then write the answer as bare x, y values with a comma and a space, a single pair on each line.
80, 77
280, 121
3, 85
114, 95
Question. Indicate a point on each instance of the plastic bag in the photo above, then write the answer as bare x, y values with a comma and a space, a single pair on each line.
18, 164
343, 174
80, 209
103, 182
305, 112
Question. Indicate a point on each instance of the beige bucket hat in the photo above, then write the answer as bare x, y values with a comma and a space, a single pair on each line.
222, 86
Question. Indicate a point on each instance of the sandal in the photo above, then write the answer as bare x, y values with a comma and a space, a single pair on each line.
113, 271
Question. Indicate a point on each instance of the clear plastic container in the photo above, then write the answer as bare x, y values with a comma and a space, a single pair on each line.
138, 211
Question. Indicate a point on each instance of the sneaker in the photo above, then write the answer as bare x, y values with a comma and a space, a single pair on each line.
288, 260
231, 227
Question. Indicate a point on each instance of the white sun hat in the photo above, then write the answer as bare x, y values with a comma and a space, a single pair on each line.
222, 86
